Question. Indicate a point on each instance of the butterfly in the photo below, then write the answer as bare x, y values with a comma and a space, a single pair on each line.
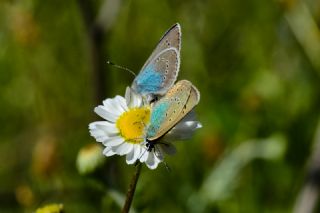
160, 71
170, 109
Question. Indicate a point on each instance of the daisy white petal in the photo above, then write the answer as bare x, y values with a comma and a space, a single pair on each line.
100, 138
129, 148
144, 156
184, 129
98, 134
183, 133
158, 159
114, 105
128, 96
132, 98
137, 151
137, 100
113, 141
108, 152
188, 125
122, 103
107, 127
151, 162
132, 156
105, 113
123, 148
129, 157
101, 123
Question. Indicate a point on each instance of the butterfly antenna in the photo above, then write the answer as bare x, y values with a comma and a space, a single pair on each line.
121, 67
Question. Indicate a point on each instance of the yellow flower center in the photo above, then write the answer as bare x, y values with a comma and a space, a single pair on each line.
132, 123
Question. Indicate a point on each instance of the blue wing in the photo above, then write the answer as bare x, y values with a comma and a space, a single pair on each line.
159, 75
160, 71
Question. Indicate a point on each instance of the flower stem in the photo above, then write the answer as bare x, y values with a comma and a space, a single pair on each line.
132, 188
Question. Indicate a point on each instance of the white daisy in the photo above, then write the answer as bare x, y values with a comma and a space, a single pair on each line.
124, 130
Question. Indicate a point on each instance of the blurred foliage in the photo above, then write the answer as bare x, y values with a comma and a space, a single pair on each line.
254, 62
52, 208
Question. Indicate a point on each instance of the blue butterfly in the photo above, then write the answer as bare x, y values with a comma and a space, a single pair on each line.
177, 103
172, 118
161, 69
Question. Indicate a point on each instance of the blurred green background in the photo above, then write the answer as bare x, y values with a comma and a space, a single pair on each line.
256, 64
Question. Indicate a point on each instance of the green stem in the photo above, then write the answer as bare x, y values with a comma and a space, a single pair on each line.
132, 189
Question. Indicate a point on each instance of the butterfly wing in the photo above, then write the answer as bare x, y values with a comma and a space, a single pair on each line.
161, 69
172, 38
159, 75
171, 108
